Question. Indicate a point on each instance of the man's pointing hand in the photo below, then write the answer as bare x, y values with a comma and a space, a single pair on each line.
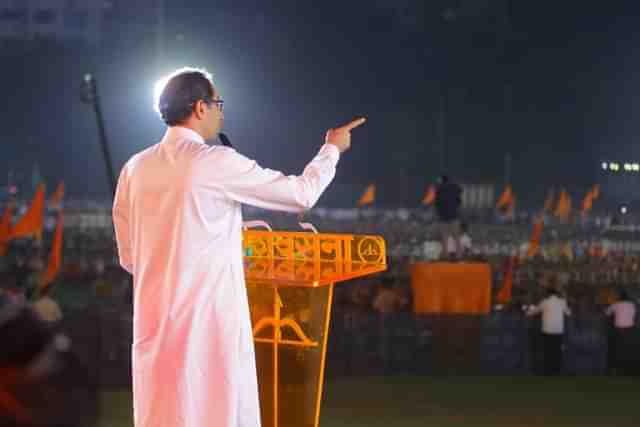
341, 136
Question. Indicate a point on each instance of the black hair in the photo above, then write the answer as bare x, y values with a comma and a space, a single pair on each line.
624, 295
181, 91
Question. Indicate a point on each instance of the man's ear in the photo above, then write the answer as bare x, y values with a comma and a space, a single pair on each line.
199, 109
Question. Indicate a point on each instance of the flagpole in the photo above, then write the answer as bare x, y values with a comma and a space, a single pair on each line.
507, 169
90, 96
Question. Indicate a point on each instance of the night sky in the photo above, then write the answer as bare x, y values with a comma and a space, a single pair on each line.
552, 83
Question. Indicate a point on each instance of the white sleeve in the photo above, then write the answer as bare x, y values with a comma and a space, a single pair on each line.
121, 221
567, 310
536, 309
244, 181
610, 310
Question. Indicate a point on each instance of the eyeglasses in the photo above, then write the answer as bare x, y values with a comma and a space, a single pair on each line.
219, 103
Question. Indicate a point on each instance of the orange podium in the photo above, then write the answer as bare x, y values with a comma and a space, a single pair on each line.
290, 278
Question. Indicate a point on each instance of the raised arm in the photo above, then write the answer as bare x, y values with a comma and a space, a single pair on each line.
245, 181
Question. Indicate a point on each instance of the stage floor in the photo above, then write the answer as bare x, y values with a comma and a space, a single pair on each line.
458, 401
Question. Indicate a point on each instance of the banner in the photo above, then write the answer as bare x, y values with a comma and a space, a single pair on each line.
463, 288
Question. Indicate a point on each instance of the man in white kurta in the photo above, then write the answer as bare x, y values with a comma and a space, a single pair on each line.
178, 226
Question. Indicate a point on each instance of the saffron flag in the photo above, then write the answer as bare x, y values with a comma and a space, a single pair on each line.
560, 204
567, 206
511, 208
369, 196
5, 228
587, 202
55, 257
506, 198
31, 222
429, 196
536, 234
57, 196
563, 209
504, 295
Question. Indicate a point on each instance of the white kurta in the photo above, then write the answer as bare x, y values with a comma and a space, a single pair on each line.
178, 222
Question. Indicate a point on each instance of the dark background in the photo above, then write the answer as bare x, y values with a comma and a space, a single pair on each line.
551, 83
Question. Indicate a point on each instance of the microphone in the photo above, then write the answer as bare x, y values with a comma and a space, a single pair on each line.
224, 140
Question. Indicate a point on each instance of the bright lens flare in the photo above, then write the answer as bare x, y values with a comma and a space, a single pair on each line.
157, 91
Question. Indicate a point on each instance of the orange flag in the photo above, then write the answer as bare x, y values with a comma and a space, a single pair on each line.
504, 295
511, 208
58, 195
31, 223
560, 205
536, 234
506, 198
563, 209
595, 192
369, 196
548, 202
587, 202
567, 207
429, 196
55, 257
5, 228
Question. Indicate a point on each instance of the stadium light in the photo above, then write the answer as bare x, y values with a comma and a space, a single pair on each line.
624, 167
624, 210
158, 87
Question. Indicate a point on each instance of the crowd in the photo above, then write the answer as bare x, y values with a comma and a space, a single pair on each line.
586, 264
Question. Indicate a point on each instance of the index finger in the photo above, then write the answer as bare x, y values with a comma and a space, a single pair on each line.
354, 124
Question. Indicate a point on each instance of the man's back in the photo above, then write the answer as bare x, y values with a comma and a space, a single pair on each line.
624, 313
553, 311
448, 201
178, 221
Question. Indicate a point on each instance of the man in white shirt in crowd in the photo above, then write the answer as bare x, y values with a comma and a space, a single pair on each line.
624, 318
553, 310
462, 243
465, 240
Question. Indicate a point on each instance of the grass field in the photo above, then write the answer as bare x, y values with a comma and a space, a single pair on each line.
459, 401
